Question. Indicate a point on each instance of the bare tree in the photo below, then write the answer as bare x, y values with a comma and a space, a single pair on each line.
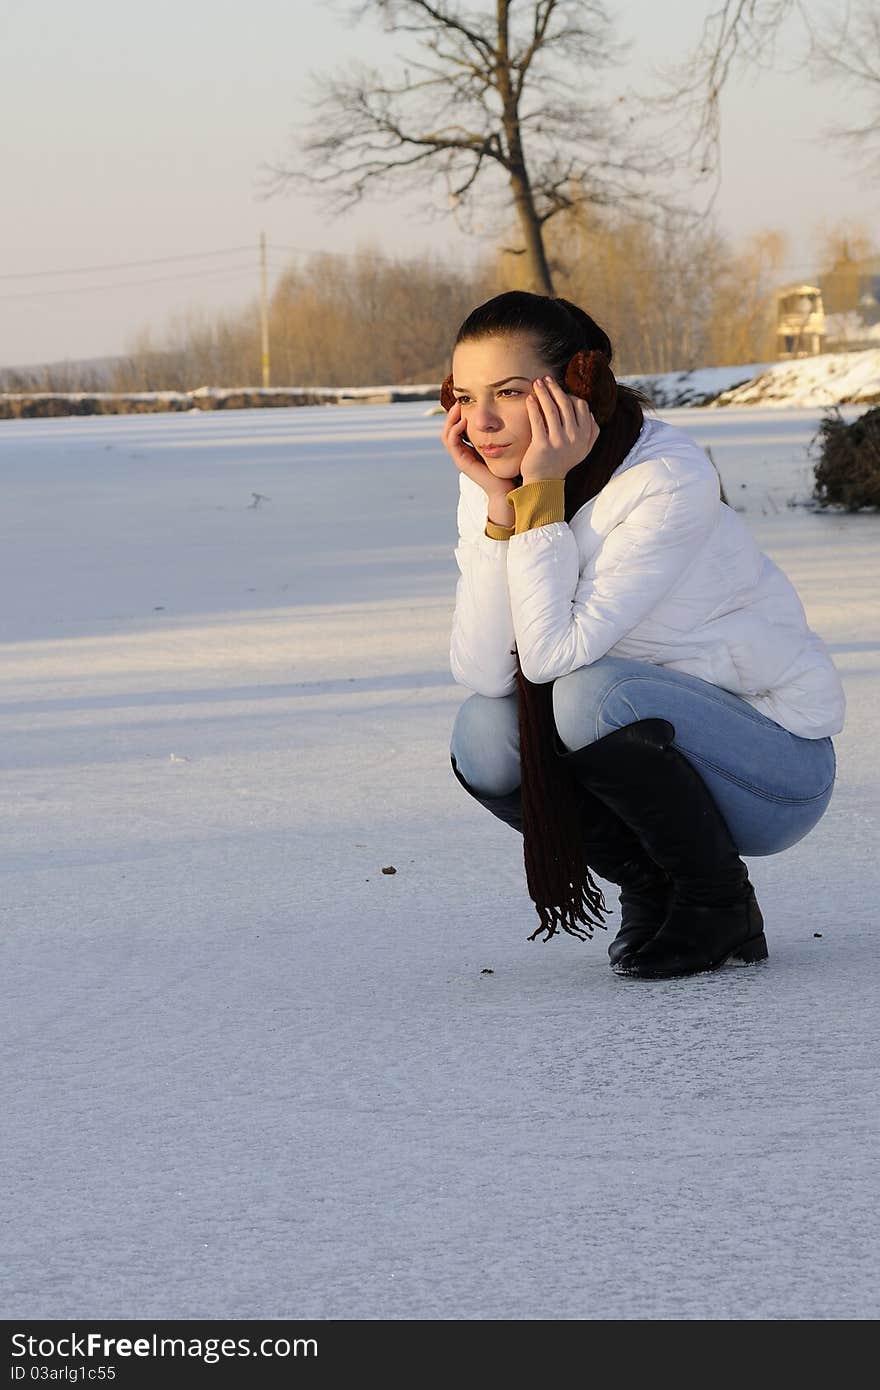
506, 91
847, 51
672, 294
843, 44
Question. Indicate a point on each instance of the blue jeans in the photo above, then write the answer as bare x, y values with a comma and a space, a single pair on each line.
770, 786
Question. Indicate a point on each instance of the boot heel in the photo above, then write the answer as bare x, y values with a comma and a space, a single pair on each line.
752, 951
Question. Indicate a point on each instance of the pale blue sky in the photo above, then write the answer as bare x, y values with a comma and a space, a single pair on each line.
135, 132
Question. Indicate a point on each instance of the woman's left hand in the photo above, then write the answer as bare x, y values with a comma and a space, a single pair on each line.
563, 432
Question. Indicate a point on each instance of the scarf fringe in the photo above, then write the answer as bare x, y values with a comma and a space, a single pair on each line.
578, 917
554, 825
557, 871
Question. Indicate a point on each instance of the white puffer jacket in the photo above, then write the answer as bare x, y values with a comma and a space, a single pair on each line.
655, 568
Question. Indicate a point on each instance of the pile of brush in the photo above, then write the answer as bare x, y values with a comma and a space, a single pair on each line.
847, 473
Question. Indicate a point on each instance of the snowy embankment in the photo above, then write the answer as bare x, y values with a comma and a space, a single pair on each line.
844, 378
248, 1074
673, 389
29, 405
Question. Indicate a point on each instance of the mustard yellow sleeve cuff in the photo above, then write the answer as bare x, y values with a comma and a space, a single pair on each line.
537, 504
498, 533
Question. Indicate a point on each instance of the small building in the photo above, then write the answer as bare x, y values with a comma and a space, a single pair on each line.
800, 321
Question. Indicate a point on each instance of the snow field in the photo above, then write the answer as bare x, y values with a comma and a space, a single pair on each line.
246, 1074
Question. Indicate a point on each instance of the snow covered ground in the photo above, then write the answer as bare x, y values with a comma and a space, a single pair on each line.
247, 1074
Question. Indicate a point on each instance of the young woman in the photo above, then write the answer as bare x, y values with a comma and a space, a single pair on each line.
649, 702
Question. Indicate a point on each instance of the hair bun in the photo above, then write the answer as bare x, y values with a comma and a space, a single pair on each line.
447, 400
589, 375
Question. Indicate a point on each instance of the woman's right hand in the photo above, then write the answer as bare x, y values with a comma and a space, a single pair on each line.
468, 461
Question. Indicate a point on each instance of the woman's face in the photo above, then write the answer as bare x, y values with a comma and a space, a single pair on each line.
492, 377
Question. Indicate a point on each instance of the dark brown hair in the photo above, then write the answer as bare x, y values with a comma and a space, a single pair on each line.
557, 873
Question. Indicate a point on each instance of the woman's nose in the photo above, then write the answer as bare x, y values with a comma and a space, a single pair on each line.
485, 417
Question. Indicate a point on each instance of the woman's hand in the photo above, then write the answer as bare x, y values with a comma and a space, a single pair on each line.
563, 432
468, 461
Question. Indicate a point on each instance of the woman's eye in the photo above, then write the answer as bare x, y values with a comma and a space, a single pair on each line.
506, 391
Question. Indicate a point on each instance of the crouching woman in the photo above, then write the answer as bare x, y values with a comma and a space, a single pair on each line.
649, 702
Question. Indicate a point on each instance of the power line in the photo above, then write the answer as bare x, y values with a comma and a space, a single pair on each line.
132, 284
121, 265
184, 256
165, 260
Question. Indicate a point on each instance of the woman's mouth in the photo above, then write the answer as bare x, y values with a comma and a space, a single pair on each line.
493, 450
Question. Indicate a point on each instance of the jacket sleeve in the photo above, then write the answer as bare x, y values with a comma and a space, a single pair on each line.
562, 619
481, 647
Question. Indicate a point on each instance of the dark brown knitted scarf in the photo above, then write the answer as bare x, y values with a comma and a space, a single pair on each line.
554, 804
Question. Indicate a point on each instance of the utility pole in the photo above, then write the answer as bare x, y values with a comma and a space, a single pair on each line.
264, 311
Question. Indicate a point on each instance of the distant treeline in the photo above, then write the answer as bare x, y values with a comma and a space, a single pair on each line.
671, 297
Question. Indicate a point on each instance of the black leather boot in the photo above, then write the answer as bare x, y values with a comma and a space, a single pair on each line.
616, 855
713, 915
645, 890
